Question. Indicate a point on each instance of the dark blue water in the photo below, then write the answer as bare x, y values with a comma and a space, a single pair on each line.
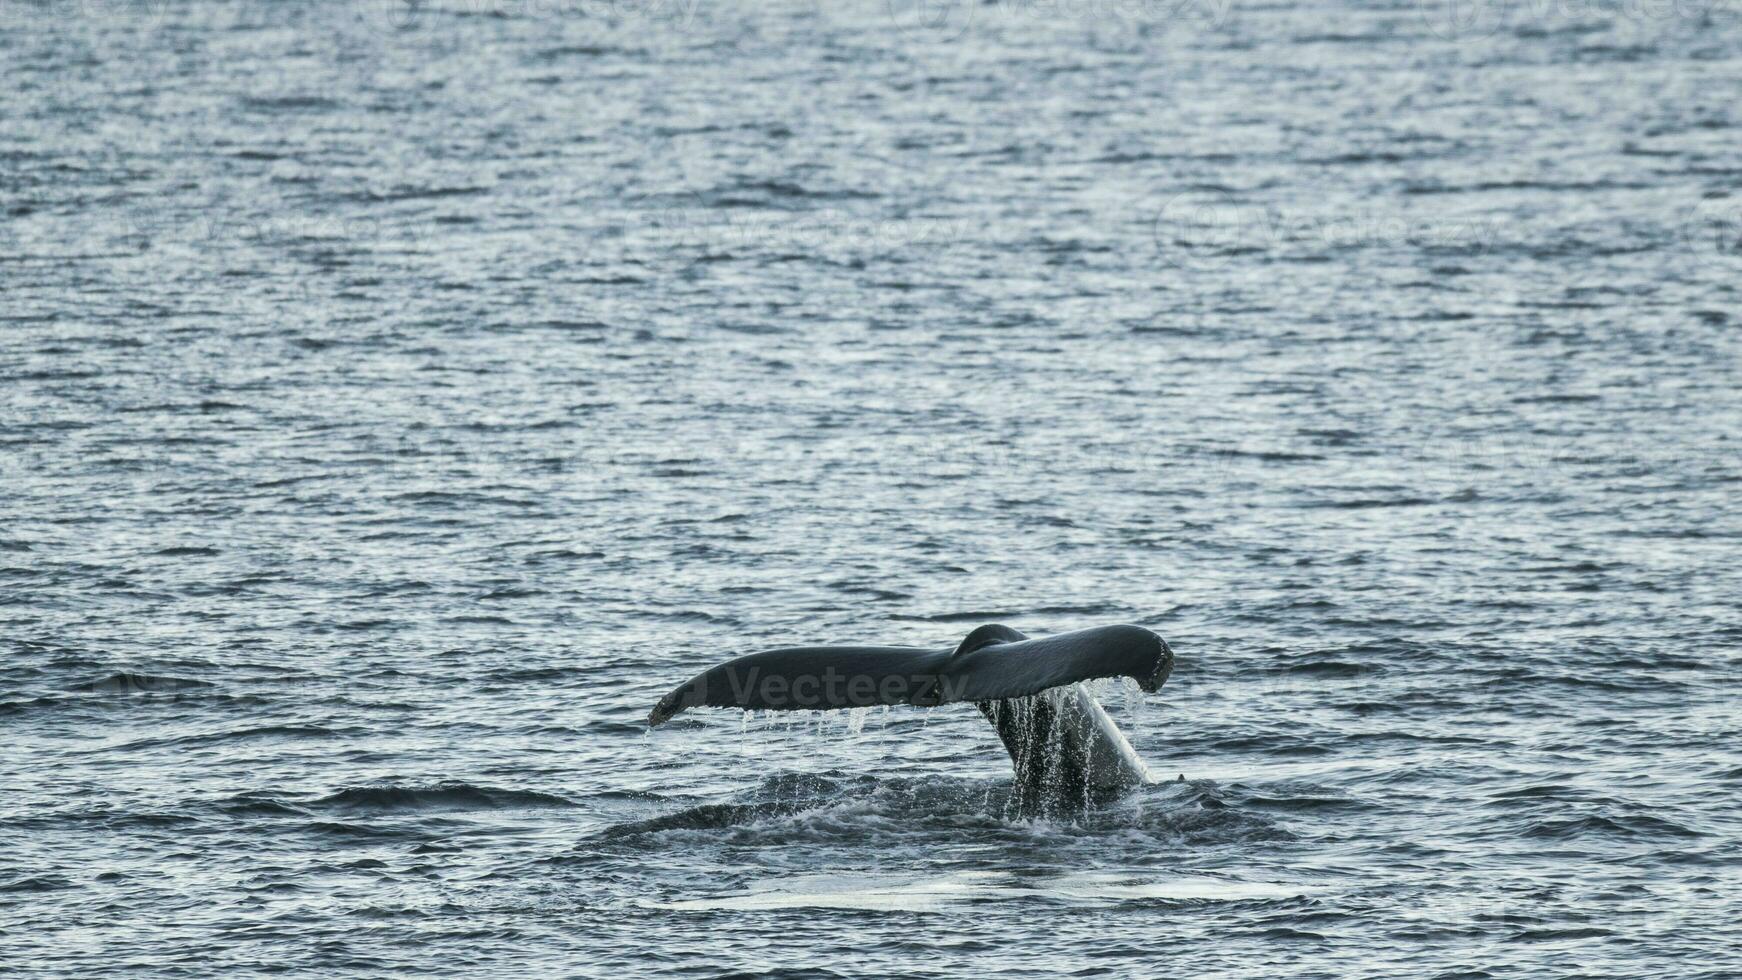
395, 402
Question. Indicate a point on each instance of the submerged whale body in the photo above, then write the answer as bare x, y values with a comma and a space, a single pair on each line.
1065, 749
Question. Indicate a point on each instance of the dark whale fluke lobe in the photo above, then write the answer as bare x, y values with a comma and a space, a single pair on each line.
1061, 742
992, 663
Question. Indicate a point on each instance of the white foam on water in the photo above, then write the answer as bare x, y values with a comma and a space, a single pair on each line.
849, 890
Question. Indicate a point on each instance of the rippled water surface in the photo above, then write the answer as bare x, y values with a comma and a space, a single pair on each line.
395, 402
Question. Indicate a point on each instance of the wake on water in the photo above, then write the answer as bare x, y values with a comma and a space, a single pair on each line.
1055, 765
851, 804
897, 844
845, 805
877, 842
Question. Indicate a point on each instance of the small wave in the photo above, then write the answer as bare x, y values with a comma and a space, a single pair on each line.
255, 804
1274, 744
414, 193
978, 616
334, 828
872, 593
289, 103
19, 707
128, 682
711, 816
1365, 503
600, 726
234, 735
779, 795
80, 704
1633, 826
581, 51
837, 807
767, 192
1301, 804
510, 592
566, 553
113, 819
1555, 935
1328, 668
35, 883
448, 796
640, 795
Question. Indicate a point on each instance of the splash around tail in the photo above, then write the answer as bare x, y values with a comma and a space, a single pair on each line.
1065, 749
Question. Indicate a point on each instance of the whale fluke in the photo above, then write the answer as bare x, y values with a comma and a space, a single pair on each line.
992, 663
1061, 742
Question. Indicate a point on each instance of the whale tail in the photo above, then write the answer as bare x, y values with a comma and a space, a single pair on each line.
1061, 741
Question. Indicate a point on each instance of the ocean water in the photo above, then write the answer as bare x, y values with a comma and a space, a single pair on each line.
395, 401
